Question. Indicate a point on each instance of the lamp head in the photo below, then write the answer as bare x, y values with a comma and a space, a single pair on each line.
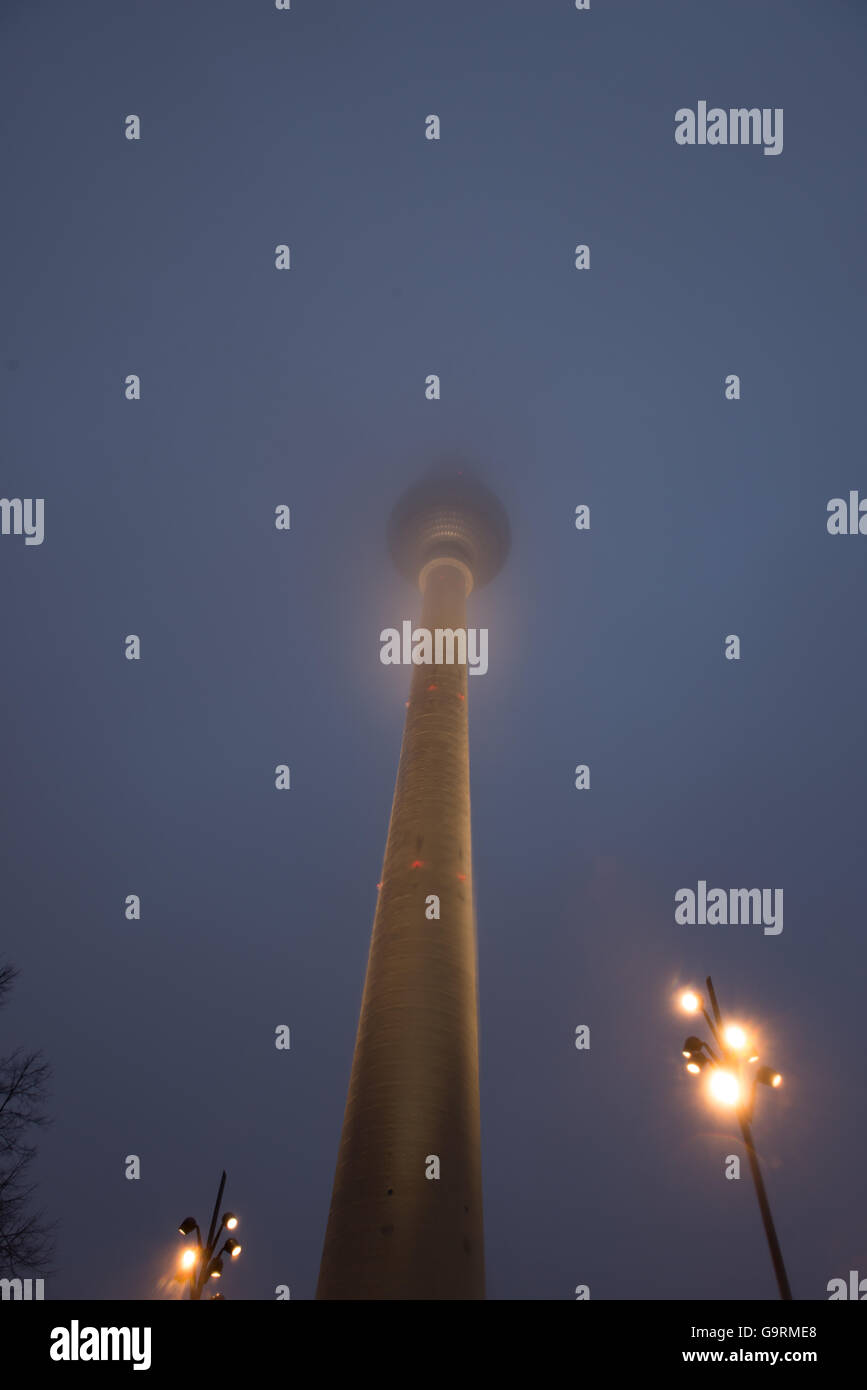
768, 1077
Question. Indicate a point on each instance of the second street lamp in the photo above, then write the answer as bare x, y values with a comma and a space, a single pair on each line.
200, 1263
731, 1083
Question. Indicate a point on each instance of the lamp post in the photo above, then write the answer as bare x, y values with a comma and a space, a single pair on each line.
199, 1262
732, 1083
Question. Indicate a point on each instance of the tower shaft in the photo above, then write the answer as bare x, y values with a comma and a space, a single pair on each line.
393, 1232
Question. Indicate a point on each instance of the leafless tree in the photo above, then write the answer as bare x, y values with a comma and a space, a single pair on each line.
26, 1237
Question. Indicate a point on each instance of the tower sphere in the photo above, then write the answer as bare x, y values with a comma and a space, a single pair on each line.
449, 515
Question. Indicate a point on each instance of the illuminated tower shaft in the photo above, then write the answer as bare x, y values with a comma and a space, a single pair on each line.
393, 1232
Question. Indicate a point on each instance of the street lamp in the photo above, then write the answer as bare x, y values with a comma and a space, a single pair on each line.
732, 1083
200, 1263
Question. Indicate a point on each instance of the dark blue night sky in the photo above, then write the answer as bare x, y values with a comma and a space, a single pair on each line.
261, 647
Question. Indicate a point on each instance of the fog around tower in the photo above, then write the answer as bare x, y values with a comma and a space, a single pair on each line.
560, 388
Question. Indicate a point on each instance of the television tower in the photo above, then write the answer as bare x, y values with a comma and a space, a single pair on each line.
406, 1207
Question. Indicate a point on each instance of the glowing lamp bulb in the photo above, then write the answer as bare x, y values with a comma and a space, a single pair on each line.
690, 1002
724, 1087
735, 1037
188, 1259
693, 1067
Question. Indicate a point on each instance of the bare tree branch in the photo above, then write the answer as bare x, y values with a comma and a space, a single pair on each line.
26, 1237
